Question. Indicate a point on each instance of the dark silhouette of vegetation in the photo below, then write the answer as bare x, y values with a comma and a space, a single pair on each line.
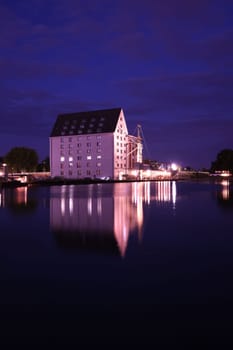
21, 159
44, 165
224, 161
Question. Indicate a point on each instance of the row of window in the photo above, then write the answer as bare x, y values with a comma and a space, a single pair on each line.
88, 165
81, 173
79, 138
88, 144
89, 157
79, 165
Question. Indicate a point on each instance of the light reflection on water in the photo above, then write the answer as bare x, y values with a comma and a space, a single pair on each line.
176, 268
95, 215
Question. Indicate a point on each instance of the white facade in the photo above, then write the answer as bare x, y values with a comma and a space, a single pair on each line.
91, 155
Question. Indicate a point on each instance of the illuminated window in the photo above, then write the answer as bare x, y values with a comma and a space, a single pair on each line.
79, 144
70, 159
88, 157
88, 172
61, 146
98, 137
99, 157
98, 172
88, 151
62, 159
78, 165
62, 139
62, 172
98, 143
98, 164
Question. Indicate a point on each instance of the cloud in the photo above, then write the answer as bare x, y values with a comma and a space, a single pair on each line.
182, 95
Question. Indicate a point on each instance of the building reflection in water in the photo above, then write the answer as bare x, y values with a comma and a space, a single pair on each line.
93, 218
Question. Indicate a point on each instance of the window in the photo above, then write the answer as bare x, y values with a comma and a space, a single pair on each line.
99, 157
79, 158
70, 172
88, 157
70, 139
88, 144
62, 159
98, 143
70, 159
88, 172
98, 164
79, 172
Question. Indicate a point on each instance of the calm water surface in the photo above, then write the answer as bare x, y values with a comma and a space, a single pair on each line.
123, 262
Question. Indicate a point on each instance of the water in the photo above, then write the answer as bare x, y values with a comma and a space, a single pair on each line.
117, 263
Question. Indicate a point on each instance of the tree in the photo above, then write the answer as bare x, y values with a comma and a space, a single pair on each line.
44, 165
21, 159
224, 161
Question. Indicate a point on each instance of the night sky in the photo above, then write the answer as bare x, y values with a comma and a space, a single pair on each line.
167, 63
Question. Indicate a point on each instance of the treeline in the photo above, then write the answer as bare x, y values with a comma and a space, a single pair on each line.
224, 161
25, 159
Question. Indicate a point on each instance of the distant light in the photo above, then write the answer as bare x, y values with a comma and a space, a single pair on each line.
174, 166
62, 159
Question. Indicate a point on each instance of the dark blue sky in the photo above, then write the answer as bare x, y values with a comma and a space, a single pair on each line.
167, 63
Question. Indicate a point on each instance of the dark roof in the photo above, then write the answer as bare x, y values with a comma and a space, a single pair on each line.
91, 122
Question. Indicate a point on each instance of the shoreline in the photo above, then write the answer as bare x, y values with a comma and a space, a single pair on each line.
62, 182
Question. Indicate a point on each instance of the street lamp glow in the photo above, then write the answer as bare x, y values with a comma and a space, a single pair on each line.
174, 166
